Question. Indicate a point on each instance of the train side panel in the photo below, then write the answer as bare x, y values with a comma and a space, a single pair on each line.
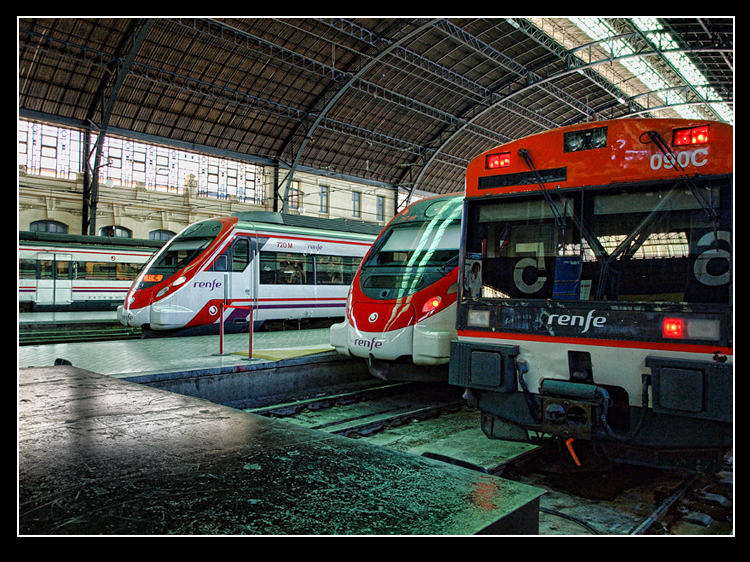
67, 272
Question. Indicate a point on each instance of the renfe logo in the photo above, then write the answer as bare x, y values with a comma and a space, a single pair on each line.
369, 344
573, 320
210, 285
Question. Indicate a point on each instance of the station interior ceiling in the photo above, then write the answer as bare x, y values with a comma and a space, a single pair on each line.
403, 101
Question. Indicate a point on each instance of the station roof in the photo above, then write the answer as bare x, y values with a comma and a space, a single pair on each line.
401, 101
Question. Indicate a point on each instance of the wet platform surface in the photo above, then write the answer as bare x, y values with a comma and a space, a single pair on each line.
102, 455
141, 357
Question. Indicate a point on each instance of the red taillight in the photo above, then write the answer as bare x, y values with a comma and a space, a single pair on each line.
691, 329
673, 328
700, 135
497, 161
431, 304
682, 137
695, 135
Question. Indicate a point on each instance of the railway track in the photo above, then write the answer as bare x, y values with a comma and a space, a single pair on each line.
598, 498
37, 335
365, 411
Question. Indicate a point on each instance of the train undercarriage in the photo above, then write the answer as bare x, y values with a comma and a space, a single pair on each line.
683, 421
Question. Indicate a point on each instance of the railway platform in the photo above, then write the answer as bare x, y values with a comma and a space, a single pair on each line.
155, 357
66, 318
100, 455
200, 366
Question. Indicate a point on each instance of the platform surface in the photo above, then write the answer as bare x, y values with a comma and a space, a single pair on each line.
141, 357
100, 455
78, 317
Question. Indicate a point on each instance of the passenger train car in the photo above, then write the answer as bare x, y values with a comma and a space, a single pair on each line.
281, 268
604, 311
401, 310
68, 272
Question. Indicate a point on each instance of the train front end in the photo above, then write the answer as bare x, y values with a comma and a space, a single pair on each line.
158, 299
401, 309
603, 308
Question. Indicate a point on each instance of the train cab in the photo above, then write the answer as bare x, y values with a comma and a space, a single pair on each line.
401, 308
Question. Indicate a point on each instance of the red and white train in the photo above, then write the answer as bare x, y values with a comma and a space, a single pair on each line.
260, 260
604, 312
401, 310
68, 272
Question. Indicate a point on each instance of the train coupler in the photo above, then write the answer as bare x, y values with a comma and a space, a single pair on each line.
571, 410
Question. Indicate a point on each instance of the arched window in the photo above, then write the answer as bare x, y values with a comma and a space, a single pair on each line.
48, 226
115, 231
160, 235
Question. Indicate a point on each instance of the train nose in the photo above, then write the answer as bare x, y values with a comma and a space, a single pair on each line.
133, 317
381, 331
124, 316
383, 317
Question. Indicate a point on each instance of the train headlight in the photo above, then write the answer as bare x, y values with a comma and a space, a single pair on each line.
477, 317
691, 328
177, 282
431, 304
587, 139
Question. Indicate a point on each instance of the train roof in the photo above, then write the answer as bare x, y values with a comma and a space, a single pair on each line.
341, 225
315, 223
87, 240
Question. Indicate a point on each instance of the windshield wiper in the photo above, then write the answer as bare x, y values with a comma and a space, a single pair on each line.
637, 237
559, 220
593, 241
707, 207
450, 264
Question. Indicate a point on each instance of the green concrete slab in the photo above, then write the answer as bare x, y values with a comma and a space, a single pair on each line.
100, 455
454, 438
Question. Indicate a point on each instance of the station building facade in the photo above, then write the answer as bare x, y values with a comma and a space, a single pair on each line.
150, 191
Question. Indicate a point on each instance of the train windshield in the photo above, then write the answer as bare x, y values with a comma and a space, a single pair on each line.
419, 247
667, 243
179, 252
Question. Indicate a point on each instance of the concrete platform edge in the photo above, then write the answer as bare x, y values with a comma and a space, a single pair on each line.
232, 385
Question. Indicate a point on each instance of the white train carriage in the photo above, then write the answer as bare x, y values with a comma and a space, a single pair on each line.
63, 272
280, 266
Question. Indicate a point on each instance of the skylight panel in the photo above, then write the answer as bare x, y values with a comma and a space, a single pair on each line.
599, 30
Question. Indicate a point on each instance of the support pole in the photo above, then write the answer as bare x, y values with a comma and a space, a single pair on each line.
222, 307
221, 329
251, 326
